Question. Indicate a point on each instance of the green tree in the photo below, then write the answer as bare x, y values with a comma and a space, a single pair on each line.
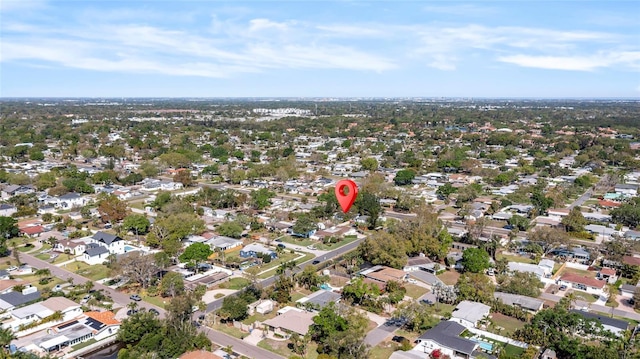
574, 221
475, 287
404, 177
111, 208
446, 190
261, 198
522, 283
309, 278
231, 229
183, 176
383, 248
196, 253
628, 213
172, 284
360, 292
233, 308
519, 222
369, 204
369, 164
475, 260
138, 223
303, 226
340, 334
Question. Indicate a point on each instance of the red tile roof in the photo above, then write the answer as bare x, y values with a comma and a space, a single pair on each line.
199, 354
605, 203
630, 260
608, 271
32, 230
588, 281
107, 318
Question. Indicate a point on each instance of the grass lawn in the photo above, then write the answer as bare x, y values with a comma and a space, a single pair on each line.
509, 324
513, 351
449, 277
25, 248
512, 258
415, 291
584, 296
328, 247
382, 350
441, 308
94, 272
236, 283
296, 296
300, 241
586, 273
281, 347
271, 267
230, 330
84, 344
157, 300
257, 317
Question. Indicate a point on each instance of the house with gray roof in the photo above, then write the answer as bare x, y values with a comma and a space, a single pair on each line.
11, 300
446, 337
468, 313
255, 249
615, 326
319, 299
223, 243
528, 304
113, 243
95, 254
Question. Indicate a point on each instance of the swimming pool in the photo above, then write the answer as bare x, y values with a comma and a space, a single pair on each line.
488, 347
129, 249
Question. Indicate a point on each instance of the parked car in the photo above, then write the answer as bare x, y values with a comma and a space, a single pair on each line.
132, 312
315, 262
563, 287
12, 268
154, 311
281, 245
135, 297
57, 288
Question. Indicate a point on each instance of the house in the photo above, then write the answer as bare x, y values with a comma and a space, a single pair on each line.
384, 274
290, 320
73, 247
255, 249
6, 284
632, 235
261, 306
95, 254
446, 337
422, 263
32, 231
583, 283
548, 354
608, 275
224, 243
113, 243
6, 210
615, 326
199, 354
627, 290
468, 313
319, 299
540, 272
68, 201
11, 300
600, 230
93, 325
37, 312
548, 265
14, 190
627, 189
531, 305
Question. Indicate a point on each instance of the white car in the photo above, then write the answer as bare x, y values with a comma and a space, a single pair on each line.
411, 280
12, 268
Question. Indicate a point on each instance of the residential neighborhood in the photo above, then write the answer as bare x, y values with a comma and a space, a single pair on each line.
480, 229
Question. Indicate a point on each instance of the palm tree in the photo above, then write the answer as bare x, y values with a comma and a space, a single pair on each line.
571, 297
6, 336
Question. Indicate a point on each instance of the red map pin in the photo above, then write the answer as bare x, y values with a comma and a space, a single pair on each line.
346, 193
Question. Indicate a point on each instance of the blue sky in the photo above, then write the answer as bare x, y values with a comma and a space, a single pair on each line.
540, 49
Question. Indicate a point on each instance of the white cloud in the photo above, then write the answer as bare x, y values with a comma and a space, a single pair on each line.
575, 63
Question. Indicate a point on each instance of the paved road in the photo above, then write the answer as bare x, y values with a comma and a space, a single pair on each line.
216, 337
595, 307
377, 335
578, 202
216, 304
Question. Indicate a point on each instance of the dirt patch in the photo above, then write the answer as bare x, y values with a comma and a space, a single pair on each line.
449, 277
336, 281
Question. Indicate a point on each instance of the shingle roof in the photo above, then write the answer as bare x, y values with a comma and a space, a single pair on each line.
447, 334
95, 250
17, 299
519, 300
107, 317
106, 238
605, 320
576, 278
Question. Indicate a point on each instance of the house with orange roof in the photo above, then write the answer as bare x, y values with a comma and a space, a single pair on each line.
583, 283
104, 324
199, 354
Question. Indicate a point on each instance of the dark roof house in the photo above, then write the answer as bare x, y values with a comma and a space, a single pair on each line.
447, 334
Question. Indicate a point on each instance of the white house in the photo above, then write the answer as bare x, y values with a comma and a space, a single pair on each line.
73, 247
68, 201
6, 210
585, 284
113, 243
445, 337
629, 190
468, 313
95, 254
540, 272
